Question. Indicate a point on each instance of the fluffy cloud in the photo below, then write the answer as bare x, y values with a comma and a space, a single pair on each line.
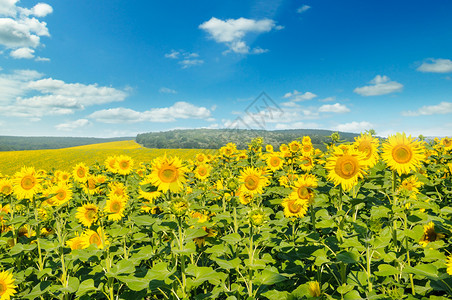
297, 96
19, 28
334, 108
356, 127
439, 109
180, 110
380, 85
232, 32
439, 65
80, 123
22, 53
50, 96
165, 90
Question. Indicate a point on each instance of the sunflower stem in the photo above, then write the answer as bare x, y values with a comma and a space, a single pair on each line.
38, 233
182, 258
251, 258
312, 217
408, 254
394, 198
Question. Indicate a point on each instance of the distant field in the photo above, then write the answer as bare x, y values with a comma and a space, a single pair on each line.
67, 158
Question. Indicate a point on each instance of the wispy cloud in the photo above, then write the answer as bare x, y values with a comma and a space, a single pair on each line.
180, 110
334, 108
354, 126
303, 8
380, 85
184, 58
439, 65
165, 90
439, 109
297, 96
70, 126
232, 32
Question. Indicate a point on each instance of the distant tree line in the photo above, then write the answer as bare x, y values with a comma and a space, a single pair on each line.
216, 138
15, 143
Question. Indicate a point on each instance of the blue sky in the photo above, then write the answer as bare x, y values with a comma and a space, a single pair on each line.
118, 68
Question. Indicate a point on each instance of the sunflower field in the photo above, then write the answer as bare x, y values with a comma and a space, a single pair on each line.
363, 220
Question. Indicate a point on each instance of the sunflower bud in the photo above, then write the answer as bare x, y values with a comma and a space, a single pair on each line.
257, 217
179, 206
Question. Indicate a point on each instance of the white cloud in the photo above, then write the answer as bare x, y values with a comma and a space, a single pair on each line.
22, 53
69, 126
42, 59
439, 109
328, 99
165, 90
49, 96
232, 32
303, 9
297, 96
380, 85
186, 63
439, 65
180, 110
334, 108
186, 59
173, 54
355, 127
19, 28
296, 125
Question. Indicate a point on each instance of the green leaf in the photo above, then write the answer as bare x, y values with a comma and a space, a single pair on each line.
378, 212
193, 233
144, 220
425, 270
344, 289
38, 290
347, 257
18, 248
85, 287
386, 270
135, 283
353, 295
203, 274
188, 249
268, 277
228, 264
232, 238
72, 285
122, 267
275, 295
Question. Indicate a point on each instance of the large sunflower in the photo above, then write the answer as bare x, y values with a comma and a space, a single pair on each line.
168, 174
345, 167
430, 235
80, 172
369, 146
274, 161
98, 238
253, 181
449, 264
402, 153
294, 146
87, 214
115, 207
110, 163
76, 242
124, 164
26, 183
63, 193
202, 171
6, 186
118, 189
303, 188
7, 287
294, 207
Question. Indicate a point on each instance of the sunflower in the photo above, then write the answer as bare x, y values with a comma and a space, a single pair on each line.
430, 235
6, 186
245, 197
410, 186
90, 186
26, 183
64, 176
447, 143
110, 164
369, 146
98, 238
303, 188
314, 288
294, 207
209, 233
274, 161
294, 146
269, 148
345, 167
115, 207
7, 287
200, 216
87, 214
168, 174
283, 148
449, 264
150, 196
80, 172
117, 189
202, 171
253, 181
402, 153
200, 158
306, 163
63, 193
124, 164
76, 242
228, 150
